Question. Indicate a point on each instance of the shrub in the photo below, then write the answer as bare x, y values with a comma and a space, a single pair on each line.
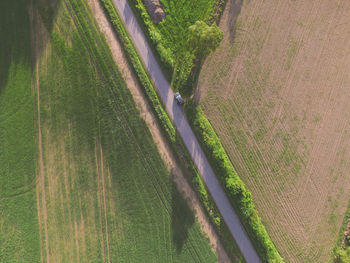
204, 39
342, 255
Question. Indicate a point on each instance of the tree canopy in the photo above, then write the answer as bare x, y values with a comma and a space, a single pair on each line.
204, 38
343, 255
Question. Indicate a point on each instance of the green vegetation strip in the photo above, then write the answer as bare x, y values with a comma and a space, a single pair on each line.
174, 140
240, 198
342, 254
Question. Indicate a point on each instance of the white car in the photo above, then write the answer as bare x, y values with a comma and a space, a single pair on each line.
178, 98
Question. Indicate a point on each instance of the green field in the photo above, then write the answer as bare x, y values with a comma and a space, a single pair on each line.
19, 238
104, 194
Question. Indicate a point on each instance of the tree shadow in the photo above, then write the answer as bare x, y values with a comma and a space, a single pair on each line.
234, 9
16, 32
182, 218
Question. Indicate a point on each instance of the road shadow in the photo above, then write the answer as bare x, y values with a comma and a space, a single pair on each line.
234, 9
182, 218
16, 32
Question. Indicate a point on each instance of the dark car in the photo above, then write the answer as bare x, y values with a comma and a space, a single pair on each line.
178, 98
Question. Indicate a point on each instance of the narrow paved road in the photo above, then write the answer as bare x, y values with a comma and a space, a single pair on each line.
175, 112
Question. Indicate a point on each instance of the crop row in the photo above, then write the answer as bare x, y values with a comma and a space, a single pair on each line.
240, 198
172, 137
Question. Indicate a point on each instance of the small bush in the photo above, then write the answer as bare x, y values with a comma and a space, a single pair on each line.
342, 255
204, 39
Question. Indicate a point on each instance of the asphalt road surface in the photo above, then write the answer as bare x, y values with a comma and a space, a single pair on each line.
176, 114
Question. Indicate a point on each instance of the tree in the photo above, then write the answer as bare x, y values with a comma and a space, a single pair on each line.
343, 256
204, 39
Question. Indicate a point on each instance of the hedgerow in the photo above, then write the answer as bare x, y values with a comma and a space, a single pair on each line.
240, 198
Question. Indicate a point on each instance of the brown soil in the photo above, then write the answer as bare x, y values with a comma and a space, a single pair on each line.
147, 115
277, 93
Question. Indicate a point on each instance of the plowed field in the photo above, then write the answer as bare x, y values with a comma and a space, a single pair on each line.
277, 93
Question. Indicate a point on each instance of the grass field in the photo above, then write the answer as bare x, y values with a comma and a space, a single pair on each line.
180, 15
19, 232
104, 193
276, 92
80, 178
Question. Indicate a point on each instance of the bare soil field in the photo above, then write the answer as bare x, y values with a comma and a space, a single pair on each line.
277, 93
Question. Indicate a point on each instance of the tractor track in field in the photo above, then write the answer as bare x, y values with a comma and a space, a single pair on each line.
40, 181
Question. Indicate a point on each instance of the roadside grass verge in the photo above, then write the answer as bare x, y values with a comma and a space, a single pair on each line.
109, 195
174, 140
19, 232
169, 37
240, 198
